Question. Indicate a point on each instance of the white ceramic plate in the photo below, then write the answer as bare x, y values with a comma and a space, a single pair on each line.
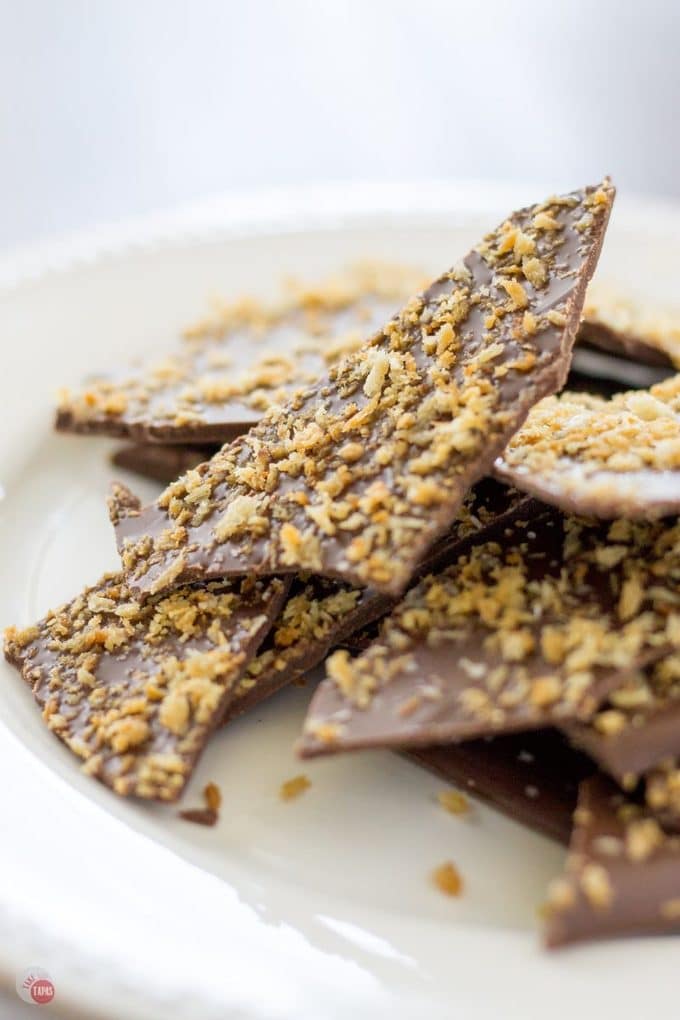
319, 908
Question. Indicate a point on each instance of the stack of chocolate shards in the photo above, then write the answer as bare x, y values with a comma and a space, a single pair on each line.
516, 647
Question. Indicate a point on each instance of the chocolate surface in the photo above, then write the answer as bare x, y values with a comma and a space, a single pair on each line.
622, 875
160, 463
316, 616
232, 366
639, 725
135, 691
532, 627
610, 374
609, 458
320, 614
531, 777
357, 476
641, 330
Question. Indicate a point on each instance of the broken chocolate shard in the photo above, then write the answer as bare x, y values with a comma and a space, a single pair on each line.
357, 476
135, 691
607, 458
317, 615
320, 614
605, 375
200, 816
532, 627
622, 875
641, 330
638, 727
160, 463
235, 364
531, 777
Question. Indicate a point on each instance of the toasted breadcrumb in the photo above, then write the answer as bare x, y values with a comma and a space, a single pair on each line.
454, 802
293, 788
447, 879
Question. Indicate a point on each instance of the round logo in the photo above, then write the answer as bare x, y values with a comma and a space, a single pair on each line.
35, 986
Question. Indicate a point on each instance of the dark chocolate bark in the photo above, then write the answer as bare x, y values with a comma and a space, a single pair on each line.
531, 777
532, 627
135, 691
235, 364
357, 476
609, 458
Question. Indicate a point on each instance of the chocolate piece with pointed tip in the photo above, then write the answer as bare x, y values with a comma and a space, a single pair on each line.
135, 691
356, 477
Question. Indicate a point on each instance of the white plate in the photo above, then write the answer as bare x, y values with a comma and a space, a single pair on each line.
319, 908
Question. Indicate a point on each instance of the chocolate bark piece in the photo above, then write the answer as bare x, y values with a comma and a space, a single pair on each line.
232, 366
135, 691
316, 616
622, 875
532, 627
531, 777
609, 458
488, 505
603, 374
639, 724
320, 614
357, 476
641, 330
160, 463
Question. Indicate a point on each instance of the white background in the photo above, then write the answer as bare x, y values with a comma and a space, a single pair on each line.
110, 108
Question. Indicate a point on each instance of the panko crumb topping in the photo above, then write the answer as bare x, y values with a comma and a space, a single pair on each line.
135, 690
320, 614
305, 626
612, 457
534, 630
354, 477
612, 318
243, 357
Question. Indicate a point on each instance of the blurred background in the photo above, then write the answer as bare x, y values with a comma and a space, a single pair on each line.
111, 108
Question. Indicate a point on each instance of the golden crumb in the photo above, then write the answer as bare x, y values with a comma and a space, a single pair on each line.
294, 787
596, 885
670, 909
424, 398
454, 802
447, 879
212, 796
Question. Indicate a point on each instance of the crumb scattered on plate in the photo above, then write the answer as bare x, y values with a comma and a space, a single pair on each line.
292, 788
454, 802
447, 879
